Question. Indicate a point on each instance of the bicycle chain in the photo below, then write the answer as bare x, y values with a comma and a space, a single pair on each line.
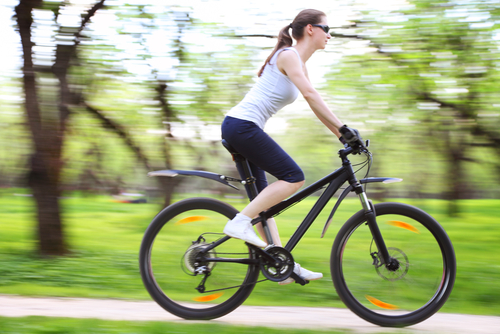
236, 286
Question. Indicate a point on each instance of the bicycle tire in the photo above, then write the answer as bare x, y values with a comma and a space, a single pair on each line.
394, 298
167, 269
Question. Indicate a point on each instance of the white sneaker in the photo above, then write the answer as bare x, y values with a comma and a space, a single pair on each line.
241, 228
303, 273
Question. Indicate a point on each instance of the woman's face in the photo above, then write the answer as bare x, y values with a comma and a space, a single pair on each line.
320, 36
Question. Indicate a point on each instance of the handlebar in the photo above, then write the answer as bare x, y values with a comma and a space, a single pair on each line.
355, 148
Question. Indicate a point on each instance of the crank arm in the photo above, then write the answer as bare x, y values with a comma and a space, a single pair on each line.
298, 279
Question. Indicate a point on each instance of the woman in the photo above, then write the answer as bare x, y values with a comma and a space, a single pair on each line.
281, 78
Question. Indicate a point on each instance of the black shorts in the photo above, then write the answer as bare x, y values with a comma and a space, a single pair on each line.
262, 152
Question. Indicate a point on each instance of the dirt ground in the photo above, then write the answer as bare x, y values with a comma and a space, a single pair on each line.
281, 317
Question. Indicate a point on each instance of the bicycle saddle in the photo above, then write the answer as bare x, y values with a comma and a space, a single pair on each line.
229, 147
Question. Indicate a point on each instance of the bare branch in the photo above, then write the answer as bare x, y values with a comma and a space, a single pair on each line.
120, 131
89, 15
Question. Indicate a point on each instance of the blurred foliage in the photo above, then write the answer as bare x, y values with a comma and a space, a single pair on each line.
419, 82
423, 83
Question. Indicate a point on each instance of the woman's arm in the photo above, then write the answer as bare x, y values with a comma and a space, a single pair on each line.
289, 63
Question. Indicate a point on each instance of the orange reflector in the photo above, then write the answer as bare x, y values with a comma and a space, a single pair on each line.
190, 220
380, 303
403, 225
208, 298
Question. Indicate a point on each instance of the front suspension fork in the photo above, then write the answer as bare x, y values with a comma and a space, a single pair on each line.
371, 218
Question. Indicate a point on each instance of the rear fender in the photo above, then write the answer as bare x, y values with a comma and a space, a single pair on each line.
351, 188
207, 175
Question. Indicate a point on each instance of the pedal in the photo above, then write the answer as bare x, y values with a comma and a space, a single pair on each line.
299, 279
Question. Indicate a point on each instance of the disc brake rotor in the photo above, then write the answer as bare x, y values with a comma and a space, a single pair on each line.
398, 267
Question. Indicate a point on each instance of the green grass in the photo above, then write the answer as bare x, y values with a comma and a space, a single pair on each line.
104, 238
41, 325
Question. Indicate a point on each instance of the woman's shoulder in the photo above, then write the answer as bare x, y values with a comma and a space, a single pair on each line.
289, 55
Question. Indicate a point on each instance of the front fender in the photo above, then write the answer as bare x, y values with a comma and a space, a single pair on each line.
349, 189
207, 175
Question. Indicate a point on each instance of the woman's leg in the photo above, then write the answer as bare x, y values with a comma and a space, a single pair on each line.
271, 195
273, 229
263, 154
240, 226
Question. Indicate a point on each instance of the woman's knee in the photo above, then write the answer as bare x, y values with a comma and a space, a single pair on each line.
300, 183
296, 185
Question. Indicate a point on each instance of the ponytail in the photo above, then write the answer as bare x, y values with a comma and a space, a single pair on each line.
284, 40
305, 17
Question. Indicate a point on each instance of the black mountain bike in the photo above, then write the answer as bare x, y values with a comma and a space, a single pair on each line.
392, 264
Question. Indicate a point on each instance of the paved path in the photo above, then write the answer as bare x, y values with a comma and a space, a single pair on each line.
296, 317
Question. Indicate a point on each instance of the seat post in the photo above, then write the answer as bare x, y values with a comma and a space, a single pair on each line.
244, 167
250, 184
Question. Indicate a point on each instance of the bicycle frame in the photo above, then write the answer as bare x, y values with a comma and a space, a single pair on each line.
333, 182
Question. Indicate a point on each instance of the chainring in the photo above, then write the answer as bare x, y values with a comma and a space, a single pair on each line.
280, 269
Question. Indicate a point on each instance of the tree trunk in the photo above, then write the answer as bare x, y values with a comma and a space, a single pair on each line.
456, 187
48, 132
46, 193
43, 177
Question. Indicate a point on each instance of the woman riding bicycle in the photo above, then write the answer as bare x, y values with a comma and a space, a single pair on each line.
281, 78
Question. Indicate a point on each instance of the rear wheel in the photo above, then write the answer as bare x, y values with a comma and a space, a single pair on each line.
170, 261
417, 281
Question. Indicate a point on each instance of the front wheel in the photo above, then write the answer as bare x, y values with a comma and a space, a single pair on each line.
180, 279
413, 286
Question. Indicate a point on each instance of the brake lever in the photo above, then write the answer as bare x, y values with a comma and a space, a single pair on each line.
362, 147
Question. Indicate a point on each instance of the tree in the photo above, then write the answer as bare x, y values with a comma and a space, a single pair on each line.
48, 124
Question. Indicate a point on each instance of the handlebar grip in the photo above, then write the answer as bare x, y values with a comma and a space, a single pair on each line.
352, 138
349, 134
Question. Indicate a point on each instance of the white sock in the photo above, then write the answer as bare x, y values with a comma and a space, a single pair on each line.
241, 218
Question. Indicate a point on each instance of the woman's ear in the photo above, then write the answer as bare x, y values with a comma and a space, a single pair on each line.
309, 29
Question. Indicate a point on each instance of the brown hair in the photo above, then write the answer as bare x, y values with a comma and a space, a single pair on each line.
305, 17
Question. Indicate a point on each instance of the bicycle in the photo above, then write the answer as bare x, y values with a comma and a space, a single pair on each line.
392, 264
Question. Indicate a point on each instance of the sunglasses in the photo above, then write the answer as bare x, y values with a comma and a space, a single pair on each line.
322, 26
